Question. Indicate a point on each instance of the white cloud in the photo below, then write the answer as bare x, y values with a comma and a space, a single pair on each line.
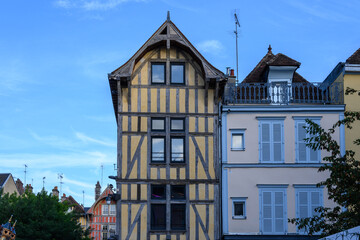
87, 139
91, 5
210, 46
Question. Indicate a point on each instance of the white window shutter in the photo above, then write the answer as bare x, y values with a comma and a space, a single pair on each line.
279, 212
315, 202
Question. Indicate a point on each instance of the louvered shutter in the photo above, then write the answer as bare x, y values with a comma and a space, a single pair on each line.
303, 205
265, 142
277, 142
267, 214
315, 202
279, 212
301, 142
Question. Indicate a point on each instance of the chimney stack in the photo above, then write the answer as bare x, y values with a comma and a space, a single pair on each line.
97, 190
19, 186
63, 198
55, 192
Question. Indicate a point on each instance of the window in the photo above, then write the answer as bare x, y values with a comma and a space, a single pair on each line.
112, 209
175, 141
177, 73
105, 209
177, 124
237, 139
160, 211
177, 149
158, 73
273, 213
158, 124
271, 142
304, 154
308, 198
158, 149
108, 231
239, 207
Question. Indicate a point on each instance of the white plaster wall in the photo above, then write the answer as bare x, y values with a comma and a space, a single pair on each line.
242, 183
250, 123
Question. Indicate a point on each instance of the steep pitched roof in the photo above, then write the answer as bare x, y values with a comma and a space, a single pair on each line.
3, 178
166, 34
355, 58
257, 74
77, 207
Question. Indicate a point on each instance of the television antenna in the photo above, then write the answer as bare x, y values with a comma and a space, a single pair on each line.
60, 177
102, 171
237, 24
44, 183
25, 172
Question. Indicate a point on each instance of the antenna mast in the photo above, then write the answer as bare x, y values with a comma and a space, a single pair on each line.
60, 176
44, 183
102, 170
25, 173
83, 198
236, 36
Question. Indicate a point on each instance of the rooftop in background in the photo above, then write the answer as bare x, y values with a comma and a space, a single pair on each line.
355, 58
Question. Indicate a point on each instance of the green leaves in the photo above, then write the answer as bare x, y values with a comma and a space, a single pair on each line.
40, 217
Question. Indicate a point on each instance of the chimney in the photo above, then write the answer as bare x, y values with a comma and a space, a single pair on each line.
63, 198
230, 75
55, 192
28, 188
97, 190
19, 186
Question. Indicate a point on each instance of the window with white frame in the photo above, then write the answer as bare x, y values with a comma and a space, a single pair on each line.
237, 139
239, 207
112, 210
273, 212
305, 154
108, 209
105, 209
271, 139
308, 198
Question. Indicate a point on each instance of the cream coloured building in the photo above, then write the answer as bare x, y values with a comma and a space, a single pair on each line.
268, 173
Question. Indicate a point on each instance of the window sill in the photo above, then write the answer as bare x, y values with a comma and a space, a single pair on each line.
239, 218
168, 231
157, 163
237, 149
177, 164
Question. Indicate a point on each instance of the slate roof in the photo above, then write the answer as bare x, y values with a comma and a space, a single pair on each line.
75, 204
355, 58
3, 178
257, 75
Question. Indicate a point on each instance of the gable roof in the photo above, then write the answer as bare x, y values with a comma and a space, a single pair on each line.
103, 195
257, 75
3, 178
165, 35
77, 207
354, 58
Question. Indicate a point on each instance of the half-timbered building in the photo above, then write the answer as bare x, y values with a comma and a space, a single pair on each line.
166, 101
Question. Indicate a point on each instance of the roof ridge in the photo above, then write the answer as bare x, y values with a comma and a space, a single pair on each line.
354, 58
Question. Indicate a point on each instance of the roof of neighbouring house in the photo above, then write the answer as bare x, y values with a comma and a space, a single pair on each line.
3, 178
103, 195
354, 58
257, 74
77, 207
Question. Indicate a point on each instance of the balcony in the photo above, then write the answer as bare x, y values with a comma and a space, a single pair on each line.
282, 93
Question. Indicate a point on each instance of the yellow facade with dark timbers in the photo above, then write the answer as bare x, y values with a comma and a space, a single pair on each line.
166, 100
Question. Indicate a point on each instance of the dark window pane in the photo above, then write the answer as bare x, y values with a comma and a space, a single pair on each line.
177, 124
158, 73
239, 209
158, 192
178, 216
158, 216
158, 124
177, 73
158, 149
178, 192
177, 149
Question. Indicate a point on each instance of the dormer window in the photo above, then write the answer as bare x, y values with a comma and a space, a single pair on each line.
280, 80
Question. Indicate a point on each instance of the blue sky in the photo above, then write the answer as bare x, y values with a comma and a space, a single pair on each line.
56, 113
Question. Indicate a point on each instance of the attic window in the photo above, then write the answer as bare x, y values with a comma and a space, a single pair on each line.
177, 73
164, 31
